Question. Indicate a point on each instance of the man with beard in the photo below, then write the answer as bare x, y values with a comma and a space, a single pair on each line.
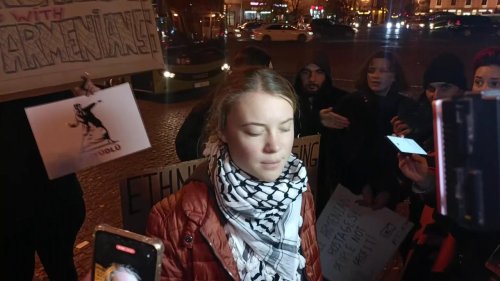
317, 95
313, 85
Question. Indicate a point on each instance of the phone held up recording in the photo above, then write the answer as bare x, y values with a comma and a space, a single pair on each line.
123, 255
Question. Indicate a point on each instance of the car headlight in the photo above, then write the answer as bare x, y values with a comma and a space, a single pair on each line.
167, 74
225, 67
398, 25
389, 25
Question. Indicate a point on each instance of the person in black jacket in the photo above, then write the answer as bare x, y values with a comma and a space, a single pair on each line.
190, 141
363, 160
469, 248
40, 215
317, 96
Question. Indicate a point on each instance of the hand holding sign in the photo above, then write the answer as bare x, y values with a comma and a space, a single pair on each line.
356, 242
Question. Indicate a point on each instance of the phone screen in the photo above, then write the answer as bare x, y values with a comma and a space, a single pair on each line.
405, 145
117, 256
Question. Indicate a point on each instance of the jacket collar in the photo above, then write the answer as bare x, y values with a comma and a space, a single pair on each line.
204, 212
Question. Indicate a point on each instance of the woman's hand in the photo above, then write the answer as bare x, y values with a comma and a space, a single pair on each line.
399, 127
87, 88
414, 167
333, 120
377, 202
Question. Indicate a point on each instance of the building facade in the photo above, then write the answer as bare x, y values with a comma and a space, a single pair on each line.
465, 7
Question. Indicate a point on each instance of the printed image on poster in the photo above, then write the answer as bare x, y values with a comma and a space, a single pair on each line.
81, 132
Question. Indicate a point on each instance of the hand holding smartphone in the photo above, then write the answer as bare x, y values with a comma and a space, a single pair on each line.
121, 255
406, 145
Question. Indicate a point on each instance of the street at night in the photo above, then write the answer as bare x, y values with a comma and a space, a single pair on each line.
162, 120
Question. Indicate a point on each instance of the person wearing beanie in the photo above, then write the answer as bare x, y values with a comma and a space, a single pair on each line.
466, 250
445, 77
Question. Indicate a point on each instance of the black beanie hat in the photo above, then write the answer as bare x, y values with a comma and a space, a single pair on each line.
446, 68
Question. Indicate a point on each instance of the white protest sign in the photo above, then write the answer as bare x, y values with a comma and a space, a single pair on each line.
81, 132
48, 43
356, 242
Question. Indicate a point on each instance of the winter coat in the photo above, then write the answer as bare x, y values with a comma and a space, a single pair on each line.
196, 246
361, 153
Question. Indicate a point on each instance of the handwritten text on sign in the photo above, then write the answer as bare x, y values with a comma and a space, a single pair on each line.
41, 37
307, 149
356, 242
141, 191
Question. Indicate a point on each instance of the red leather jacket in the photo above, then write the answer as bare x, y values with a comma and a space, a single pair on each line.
196, 247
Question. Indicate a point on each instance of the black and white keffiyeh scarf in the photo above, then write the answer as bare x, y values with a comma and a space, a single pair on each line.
263, 217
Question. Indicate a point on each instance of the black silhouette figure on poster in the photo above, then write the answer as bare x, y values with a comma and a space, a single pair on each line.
95, 133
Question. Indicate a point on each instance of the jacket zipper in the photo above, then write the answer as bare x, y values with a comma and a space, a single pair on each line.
217, 255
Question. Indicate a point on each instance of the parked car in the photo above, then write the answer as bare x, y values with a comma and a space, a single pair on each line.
327, 29
417, 23
472, 25
245, 30
465, 26
281, 32
439, 20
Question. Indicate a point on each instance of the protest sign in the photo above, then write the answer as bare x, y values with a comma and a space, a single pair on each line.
140, 191
46, 43
356, 242
81, 132
307, 149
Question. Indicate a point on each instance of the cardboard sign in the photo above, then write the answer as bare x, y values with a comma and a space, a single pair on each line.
356, 242
81, 132
307, 149
45, 43
141, 191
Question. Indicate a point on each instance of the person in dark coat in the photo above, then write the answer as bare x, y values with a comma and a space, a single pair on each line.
40, 215
314, 86
317, 95
467, 249
363, 160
